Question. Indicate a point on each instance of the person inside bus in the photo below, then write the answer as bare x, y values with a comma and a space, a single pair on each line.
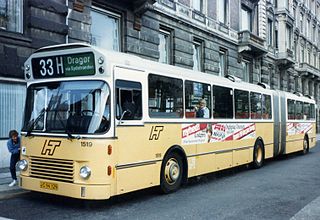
128, 106
202, 111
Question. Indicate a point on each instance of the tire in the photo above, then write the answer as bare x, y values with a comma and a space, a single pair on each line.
305, 147
171, 173
258, 155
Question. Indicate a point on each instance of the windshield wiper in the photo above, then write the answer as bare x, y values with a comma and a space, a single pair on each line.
30, 128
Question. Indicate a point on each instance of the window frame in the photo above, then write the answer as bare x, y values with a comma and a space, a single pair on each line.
208, 100
232, 101
198, 43
118, 98
114, 15
22, 25
181, 116
167, 33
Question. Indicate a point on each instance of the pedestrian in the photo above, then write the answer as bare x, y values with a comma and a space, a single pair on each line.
13, 145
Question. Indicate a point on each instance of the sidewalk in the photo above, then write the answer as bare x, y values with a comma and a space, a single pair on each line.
5, 190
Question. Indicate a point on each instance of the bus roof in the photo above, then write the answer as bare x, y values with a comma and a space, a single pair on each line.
148, 66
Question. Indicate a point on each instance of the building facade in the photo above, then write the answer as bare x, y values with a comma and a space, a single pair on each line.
268, 41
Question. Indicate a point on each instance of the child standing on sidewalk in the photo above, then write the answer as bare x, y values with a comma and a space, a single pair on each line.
13, 145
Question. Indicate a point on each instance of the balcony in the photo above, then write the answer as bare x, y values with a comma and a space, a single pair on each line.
250, 43
307, 69
285, 59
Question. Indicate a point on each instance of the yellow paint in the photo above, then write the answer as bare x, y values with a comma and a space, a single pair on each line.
136, 161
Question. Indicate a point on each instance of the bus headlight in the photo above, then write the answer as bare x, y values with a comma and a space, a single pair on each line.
85, 172
23, 165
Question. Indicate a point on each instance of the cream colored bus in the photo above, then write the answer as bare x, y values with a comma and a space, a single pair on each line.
99, 123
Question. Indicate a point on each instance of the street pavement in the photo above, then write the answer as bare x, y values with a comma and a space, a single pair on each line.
5, 190
285, 188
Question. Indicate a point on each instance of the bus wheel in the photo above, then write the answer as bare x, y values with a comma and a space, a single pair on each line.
305, 145
258, 155
171, 173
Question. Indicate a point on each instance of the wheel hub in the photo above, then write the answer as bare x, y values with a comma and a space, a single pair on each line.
259, 154
172, 171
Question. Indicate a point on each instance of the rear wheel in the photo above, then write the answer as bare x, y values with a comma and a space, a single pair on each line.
305, 149
171, 173
258, 155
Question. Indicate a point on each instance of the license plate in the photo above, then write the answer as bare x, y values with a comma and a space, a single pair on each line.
49, 186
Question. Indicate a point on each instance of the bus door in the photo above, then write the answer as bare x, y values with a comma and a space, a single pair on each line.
135, 167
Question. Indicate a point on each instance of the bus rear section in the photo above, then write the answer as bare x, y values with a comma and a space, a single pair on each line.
298, 123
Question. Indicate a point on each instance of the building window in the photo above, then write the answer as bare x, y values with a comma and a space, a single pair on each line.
223, 11
295, 50
307, 29
222, 62
12, 99
314, 34
270, 32
164, 46
11, 15
301, 23
314, 59
198, 5
245, 23
104, 24
302, 55
276, 38
309, 57
246, 70
289, 37
197, 55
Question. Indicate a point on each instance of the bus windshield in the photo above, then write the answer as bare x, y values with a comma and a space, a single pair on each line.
81, 107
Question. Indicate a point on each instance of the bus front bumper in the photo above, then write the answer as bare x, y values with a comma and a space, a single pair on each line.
79, 191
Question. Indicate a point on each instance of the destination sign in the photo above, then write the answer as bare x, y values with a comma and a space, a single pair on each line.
81, 64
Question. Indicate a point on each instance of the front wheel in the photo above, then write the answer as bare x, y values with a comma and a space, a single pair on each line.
258, 155
171, 173
305, 149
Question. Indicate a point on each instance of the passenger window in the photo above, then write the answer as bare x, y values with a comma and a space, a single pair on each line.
255, 102
312, 112
241, 104
129, 100
222, 102
306, 111
165, 97
198, 100
266, 107
299, 110
291, 108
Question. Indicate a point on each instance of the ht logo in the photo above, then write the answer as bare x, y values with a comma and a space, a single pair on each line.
49, 147
155, 132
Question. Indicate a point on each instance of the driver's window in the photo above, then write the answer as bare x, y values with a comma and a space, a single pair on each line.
129, 100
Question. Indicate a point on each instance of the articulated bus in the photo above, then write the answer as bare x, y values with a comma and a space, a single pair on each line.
101, 123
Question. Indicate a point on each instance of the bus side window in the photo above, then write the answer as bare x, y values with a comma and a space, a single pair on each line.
312, 112
266, 107
128, 100
291, 109
255, 102
165, 97
241, 104
306, 111
299, 111
222, 102
195, 92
